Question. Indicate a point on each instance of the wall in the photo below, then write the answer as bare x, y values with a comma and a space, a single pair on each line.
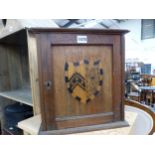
144, 50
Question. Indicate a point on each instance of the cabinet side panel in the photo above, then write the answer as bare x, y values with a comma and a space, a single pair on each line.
123, 75
117, 77
33, 69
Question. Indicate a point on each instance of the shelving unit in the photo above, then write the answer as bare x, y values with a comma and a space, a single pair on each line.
15, 74
18, 71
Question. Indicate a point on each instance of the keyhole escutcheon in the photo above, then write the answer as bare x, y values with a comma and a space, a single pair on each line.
48, 84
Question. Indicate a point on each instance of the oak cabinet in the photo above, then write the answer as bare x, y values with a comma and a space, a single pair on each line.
74, 78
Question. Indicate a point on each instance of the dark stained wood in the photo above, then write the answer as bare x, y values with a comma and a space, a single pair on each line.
46, 96
123, 76
86, 128
82, 120
57, 47
145, 108
117, 77
78, 31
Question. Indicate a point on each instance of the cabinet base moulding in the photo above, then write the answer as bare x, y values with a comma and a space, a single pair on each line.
118, 124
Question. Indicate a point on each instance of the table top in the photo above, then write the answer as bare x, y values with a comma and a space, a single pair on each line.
134, 116
32, 126
147, 87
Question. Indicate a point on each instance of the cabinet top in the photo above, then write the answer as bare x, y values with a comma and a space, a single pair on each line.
79, 30
21, 35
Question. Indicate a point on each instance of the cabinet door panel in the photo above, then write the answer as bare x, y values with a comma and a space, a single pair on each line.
65, 103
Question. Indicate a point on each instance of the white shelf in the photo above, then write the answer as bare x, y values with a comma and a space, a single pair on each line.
21, 95
31, 125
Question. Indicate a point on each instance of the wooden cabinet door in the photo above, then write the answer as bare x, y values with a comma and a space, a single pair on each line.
80, 84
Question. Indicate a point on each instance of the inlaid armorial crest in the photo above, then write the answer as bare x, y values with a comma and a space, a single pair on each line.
84, 79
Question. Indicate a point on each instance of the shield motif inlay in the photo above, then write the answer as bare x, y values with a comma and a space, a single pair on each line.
84, 79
